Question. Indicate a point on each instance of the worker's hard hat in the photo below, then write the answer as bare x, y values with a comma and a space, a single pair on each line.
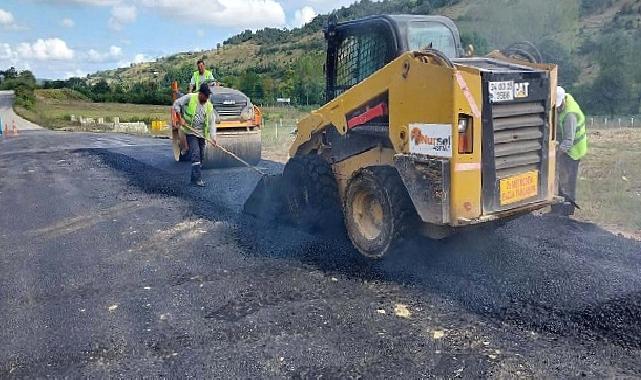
560, 96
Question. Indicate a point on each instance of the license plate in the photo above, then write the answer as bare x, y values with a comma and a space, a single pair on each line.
229, 102
519, 187
501, 91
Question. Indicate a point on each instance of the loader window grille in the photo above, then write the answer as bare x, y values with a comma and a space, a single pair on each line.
359, 56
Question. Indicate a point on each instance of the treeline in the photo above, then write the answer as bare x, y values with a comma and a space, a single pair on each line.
600, 69
616, 87
22, 82
302, 80
103, 92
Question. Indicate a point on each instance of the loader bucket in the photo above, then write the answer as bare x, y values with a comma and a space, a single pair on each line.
266, 202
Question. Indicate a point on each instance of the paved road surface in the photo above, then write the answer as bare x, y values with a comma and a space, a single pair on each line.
8, 116
111, 267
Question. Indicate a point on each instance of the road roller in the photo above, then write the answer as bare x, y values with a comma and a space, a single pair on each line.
238, 129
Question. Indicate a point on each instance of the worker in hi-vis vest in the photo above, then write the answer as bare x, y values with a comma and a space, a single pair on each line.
201, 76
197, 112
572, 135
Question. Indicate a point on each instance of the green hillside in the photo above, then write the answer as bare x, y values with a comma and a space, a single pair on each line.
579, 35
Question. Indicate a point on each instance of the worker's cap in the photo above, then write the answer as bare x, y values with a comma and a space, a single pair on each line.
560, 96
204, 89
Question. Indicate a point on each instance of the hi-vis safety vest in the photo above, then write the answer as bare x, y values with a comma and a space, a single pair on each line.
190, 112
580, 147
208, 75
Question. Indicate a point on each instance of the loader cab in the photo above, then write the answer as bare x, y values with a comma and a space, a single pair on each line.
357, 49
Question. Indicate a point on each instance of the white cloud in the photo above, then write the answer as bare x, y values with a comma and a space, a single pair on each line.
122, 15
324, 6
7, 21
140, 58
6, 18
252, 14
303, 16
7, 54
67, 23
96, 2
77, 73
113, 55
45, 50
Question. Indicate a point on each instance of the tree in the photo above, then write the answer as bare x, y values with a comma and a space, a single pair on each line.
23, 84
503, 22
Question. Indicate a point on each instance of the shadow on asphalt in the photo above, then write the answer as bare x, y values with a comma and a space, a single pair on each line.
542, 273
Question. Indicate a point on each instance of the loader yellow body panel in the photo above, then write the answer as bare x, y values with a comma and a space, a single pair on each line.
423, 90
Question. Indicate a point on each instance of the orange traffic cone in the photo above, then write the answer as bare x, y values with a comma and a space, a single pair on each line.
15, 130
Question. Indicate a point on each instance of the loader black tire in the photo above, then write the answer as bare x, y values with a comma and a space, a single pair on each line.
311, 194
378, 211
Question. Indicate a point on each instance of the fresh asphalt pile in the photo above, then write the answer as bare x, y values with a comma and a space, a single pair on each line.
545, 273
111, 266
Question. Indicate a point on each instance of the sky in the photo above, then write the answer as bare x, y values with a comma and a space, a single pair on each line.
58, 39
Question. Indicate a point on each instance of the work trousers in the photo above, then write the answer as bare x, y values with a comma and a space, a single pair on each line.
568, 170
197, 154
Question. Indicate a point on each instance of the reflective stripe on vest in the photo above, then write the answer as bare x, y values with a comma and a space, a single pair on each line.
190, 112
580, 147
208, 74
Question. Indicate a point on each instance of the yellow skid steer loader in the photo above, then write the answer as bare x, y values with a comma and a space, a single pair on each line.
416, 138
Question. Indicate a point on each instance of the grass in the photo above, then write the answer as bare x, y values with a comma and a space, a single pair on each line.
610, 181
279, 123
53, 109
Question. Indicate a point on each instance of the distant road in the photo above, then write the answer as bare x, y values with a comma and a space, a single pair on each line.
8, 116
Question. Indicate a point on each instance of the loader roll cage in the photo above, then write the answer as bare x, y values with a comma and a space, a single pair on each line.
357, 49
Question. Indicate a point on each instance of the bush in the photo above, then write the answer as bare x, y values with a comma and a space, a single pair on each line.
23, 84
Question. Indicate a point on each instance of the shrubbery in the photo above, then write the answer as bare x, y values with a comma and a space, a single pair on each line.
23, 83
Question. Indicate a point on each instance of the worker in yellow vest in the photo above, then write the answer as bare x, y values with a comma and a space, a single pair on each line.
200, 76
572, 135
197, 112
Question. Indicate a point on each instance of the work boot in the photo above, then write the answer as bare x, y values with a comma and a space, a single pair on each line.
197, 176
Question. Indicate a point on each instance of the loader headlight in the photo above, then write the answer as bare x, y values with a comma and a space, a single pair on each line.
465, 134
248, 113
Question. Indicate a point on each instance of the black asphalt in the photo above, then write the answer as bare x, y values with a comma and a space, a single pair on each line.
111, 266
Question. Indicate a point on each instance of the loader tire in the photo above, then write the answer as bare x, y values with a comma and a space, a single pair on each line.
311, 193
378, 211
